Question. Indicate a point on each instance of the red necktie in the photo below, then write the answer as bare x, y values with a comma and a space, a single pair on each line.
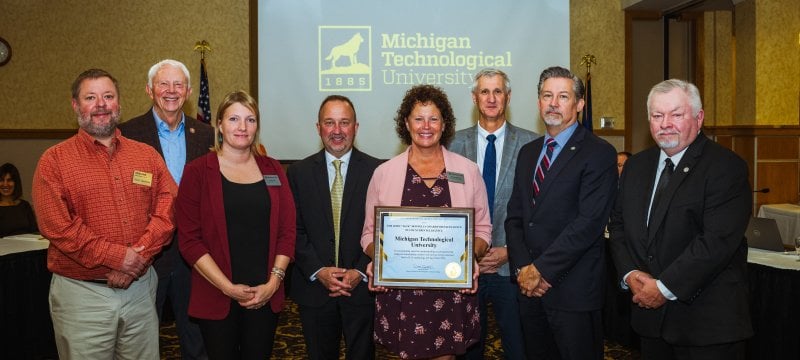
543, 167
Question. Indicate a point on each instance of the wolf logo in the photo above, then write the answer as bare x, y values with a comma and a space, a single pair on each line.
348, 49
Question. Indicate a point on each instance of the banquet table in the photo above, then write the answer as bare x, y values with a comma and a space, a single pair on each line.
26, 331
774, 300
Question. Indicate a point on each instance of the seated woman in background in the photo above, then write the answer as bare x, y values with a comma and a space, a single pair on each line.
236, 226
16, 215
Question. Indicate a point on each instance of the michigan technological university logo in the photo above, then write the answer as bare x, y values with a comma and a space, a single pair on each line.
345, 58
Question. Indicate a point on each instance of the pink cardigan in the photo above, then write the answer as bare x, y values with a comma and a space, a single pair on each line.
388, 181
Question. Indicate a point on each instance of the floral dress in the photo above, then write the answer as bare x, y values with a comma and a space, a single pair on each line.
426, 323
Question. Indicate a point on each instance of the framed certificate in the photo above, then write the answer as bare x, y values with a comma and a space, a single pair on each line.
421, 247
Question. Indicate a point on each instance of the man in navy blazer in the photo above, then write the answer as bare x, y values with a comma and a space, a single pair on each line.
331, 290
555, 223
678, 244
179, 139
491, 93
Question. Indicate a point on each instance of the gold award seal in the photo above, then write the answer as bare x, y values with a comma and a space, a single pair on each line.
452, 270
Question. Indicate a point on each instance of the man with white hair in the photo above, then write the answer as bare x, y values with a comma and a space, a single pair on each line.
178, 138
677, 235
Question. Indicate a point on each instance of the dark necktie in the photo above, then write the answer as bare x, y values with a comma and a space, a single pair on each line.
490, 171
663, 181
543, 167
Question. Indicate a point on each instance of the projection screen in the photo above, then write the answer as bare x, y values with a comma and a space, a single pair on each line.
374, 51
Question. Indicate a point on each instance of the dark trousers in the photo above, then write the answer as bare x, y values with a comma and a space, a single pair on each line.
243, 334
502, 294
658, 349
555, 334
323, 328
177, 285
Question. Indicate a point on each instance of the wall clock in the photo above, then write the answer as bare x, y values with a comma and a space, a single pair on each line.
5, 52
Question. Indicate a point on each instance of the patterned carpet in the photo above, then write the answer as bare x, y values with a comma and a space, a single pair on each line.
289, 341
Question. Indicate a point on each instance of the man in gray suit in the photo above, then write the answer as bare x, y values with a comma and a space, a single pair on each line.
493, 144
179, 139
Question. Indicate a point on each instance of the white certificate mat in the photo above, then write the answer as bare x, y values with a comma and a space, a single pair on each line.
424, 247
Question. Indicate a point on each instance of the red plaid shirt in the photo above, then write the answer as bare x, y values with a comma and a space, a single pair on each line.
92, 205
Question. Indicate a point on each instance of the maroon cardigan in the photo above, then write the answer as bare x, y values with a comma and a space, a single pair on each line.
200, 216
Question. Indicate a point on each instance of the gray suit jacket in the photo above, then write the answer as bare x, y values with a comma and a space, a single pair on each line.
465, 143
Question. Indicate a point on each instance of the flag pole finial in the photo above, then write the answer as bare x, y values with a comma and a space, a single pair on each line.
587, 60
202, 46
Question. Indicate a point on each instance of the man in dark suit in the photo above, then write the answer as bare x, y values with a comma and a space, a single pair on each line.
493, 144
677, 235
179, 139
329, 281
563, 189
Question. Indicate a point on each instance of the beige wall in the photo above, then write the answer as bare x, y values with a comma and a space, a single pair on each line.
777, 62
53, 41
751, 64
597, 27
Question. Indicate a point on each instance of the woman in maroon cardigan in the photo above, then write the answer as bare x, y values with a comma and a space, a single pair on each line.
236, 227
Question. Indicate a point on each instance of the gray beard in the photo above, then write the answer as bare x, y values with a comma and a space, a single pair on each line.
668, 144
554, 121
100, 131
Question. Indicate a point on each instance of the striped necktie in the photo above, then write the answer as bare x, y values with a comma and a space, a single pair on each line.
543, 167
336, 205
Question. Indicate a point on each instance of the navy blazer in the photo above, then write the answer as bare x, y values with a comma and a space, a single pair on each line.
563, 234
315, 238
695, 243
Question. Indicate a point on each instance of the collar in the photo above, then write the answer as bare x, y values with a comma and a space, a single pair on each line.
164, 127
345, 158
498, 133
562, 137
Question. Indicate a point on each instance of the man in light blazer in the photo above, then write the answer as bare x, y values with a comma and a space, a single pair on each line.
678, 244
179, 139
331, 290
563, 189
491, 93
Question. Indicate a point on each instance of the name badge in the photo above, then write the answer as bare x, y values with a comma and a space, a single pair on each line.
455, 177
272, 180
142, 178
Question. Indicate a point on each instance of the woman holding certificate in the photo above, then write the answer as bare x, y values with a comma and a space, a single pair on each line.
425, 323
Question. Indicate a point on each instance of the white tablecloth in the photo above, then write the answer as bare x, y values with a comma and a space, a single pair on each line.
781, 260
21, 243
788, 218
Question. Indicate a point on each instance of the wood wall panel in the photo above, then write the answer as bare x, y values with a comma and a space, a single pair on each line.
777, 147
772, 154
782, 180
744, 146
726, 141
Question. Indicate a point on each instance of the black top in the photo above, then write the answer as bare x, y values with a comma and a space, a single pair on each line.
17, 219
247, 218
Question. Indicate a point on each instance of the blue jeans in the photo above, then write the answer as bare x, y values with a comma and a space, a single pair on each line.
502, 293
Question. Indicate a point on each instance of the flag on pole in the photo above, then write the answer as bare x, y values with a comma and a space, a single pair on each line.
586, 120
203, 101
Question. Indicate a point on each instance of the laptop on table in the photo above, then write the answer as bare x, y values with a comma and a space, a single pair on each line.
762, 233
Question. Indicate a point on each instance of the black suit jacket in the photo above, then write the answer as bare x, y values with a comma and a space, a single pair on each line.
199, 139
695, 244
563, 234
314, 246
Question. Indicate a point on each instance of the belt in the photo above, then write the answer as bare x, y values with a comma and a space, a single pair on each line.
95, 281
